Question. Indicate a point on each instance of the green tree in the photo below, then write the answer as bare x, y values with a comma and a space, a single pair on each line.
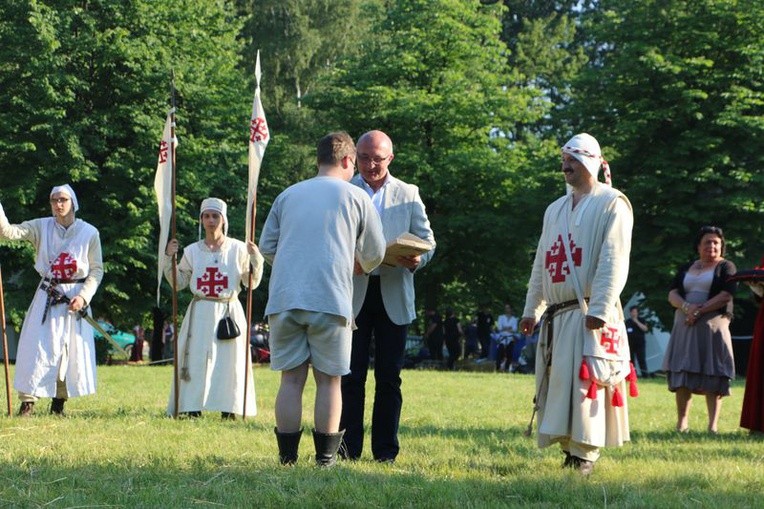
85, 89
299, 41
674, 93
434, 76
547, 48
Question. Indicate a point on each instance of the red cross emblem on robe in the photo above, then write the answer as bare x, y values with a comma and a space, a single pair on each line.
212, 282
258, 129
64, 267
611, 340
557, 262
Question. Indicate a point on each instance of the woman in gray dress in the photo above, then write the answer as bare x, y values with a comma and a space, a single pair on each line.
699, 356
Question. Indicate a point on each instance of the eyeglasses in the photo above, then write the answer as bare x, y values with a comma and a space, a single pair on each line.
55, 201
366, 159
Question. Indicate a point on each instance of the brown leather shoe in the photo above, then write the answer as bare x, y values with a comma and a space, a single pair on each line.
26, 409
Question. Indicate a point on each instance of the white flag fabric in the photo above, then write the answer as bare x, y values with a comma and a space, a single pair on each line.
163, 191
259, 136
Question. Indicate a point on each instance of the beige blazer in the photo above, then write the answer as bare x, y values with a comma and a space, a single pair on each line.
403, 212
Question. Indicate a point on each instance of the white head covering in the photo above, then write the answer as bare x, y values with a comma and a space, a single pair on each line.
586, 149
217, 205
67, 190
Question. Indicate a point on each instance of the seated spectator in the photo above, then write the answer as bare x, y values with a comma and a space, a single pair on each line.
509, 342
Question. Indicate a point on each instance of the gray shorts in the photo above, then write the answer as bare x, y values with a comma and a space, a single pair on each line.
298, 336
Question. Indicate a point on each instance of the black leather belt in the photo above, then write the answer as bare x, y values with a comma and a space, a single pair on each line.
54, 297
54, 281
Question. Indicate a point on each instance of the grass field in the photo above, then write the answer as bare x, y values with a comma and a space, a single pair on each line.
462, 446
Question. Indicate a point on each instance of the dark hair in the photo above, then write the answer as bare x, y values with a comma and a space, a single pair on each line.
633, 307
705, 230
333, 147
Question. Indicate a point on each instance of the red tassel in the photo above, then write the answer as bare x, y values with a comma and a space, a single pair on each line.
632, 373
583, 372
617, 398
633, 390
592, 392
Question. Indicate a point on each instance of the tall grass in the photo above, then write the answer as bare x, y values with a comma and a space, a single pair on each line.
462, 446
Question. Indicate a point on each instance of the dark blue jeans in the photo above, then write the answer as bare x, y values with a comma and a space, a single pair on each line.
389, 349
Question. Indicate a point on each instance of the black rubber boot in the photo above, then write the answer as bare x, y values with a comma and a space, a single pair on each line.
327, 445
26, 409
57, 406
288, 445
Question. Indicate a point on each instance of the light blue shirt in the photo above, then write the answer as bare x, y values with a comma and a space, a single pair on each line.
314, 232
378, 196
378, 200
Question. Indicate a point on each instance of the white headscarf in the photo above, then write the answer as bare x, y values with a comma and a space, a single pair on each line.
67, 190
586, 149
217, 205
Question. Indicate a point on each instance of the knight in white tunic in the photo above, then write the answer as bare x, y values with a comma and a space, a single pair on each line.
579, 271
213, 370
56, 353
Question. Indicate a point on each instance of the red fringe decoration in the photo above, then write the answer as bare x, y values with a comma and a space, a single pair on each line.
617, 398
592, 392
633, 390
583, 372
632, 378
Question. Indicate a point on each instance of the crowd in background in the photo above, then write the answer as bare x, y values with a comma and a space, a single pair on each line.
478, 339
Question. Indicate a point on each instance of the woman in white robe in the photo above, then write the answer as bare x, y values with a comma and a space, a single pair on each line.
213, 371
56, 354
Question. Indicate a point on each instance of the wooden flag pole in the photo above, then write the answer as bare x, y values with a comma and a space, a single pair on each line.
173, 235
251, 233
5, 346
250, 297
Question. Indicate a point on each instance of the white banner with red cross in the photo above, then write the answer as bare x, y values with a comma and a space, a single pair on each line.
259, 136
163, 191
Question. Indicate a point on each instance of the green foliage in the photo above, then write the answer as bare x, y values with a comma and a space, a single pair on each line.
435, 78
462, 445
85, 90
476, 95
675, 89
546, 48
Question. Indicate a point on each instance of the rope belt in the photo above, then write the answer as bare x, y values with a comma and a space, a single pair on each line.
185, 374
548, 316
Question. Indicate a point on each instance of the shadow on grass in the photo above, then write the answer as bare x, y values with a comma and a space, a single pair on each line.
219, 482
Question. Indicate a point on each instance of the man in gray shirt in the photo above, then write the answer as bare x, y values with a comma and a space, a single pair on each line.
315, 232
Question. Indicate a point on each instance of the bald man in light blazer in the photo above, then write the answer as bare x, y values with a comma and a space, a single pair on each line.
383, 304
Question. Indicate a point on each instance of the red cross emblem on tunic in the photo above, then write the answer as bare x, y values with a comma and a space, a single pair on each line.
212, 282
163, 149
611, 340
64, 267
557, 262
258, 129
